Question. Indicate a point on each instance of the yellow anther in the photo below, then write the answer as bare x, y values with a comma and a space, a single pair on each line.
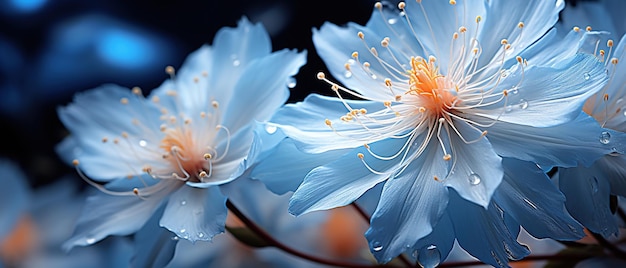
363, 111
609, 43
478, 19
576, 29
374, 51
462, 29
588, 29
398, 97
355, 54
136, 91
328, 122
163, 127
116, 141
435, 178
447, 157
124, 101
207, 156
455, 35
614, 60
421, 109
136, 191
334, 87
367, 146
170, 70
321, 76
202, 174
602, 52
432, 59
504, 42
388, 82
361, 35
475, 51
401, 5
203, 114
215, 104
105, 139
452, 2
520, 25
171, 93
605, 97
366, 64
387, 103
360, 155
347, 66
155, 99
505, 93
519, 59
75, 162
378, 5
507, 47
384, 42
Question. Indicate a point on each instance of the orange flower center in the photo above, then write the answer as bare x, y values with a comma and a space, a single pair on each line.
432, 88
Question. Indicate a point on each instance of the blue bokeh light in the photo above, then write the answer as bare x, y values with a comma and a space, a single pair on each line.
124, 49
27, 5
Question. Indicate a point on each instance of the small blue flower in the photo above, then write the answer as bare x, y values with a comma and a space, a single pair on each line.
176, 147
449, 89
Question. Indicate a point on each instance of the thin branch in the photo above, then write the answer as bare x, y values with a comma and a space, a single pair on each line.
617, 252
560, 257
273, 242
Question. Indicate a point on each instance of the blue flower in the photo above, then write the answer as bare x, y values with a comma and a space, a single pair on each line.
176, 147
449, 89
589, 188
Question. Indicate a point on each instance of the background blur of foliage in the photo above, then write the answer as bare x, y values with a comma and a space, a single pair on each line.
50, 50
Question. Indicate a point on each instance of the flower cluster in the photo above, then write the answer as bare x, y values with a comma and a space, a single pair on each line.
464, 122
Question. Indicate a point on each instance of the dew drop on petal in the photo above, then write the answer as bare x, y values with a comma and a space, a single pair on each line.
182, 231
508, 108
236, 63
587, 76
523, 104
90, 240
143, 143
291, 82
513, 90
474, 179
594, 184
200, 234
270, 129
429, 256
347, 74
401, 14
392, 21
605, 137
377, 246
175, 238
183, 202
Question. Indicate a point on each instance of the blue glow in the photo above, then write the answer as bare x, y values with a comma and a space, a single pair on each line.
28, 5
125, 49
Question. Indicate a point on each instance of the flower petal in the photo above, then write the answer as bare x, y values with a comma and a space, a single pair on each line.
305, 123
98, 114
561, 90
262, 88
195, 214
154, 246
284, 169
528, 195
612, 169
435, 247
342, 181
588, 198
105, 214
477, 168
566, 145
410, 205
473, 223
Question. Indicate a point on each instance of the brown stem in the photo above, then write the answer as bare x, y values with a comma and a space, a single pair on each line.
273, 242
617, 252
561, 257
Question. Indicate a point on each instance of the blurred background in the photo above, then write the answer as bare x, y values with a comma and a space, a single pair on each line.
51, 49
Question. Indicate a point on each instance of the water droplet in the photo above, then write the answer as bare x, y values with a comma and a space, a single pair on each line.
200, 235
513, 90
183, 202
182, 231
594, 184
175, 238
373, 76
587, 76
291, 82
504, 73
474, 179
377, 246
143, 143
614, 152
350, 62
605, 137
508, 108
429, 256
402, 14
90, 240
392, 21
271, 129
347, 74
523, 104
236, 63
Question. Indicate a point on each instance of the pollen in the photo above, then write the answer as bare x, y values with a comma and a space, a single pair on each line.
576, 29
588, 29
430, 86
321, 76
401, 5
360, 155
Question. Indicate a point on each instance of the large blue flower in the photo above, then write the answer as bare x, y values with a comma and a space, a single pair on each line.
176, 147
449, 89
